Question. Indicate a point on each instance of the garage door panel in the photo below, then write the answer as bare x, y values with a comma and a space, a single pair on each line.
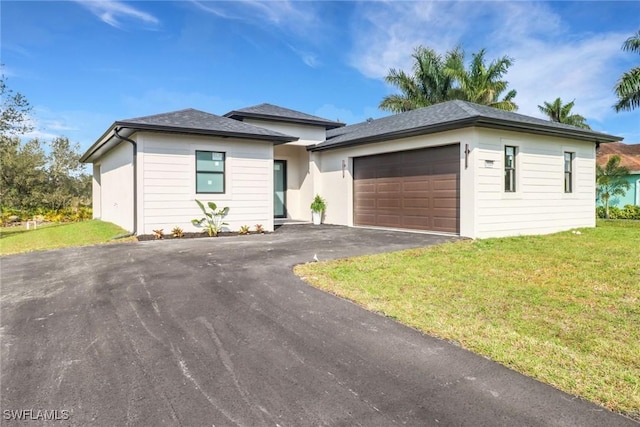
416, 189
389, 203
421, 202
388, 187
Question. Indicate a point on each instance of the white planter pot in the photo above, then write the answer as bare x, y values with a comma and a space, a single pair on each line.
317, 217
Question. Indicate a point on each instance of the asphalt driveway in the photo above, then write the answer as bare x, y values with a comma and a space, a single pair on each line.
220, 332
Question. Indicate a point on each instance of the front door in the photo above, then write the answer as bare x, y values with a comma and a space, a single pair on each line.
279, 188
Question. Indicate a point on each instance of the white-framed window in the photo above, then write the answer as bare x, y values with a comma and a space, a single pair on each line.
210, 172
510, 153
569, 158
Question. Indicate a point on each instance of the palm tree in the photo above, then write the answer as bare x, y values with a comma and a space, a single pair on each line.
610, 181
482, 84
428, 85
628, 87
557, 112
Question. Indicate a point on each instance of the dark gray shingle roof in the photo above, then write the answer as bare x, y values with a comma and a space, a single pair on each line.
200, 122
273, 112
448, 116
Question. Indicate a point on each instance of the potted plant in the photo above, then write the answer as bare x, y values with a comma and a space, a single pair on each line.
318, 206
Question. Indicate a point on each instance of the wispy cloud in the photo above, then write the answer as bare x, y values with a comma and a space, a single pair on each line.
550, 61
297, 17
113, 12
310, 59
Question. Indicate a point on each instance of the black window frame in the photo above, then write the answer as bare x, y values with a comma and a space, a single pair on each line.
223, 173
568, 174
510, 175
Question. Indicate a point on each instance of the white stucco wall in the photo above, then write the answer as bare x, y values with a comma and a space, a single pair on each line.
299, 180
307, 134
96, 192
540, 204
114, 194
300, 167
168, 181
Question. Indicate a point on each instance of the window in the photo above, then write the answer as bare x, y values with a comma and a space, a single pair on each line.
509, 169
568, 172
209, 172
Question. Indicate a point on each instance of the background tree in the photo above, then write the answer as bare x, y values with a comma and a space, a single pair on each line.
35, 177
611, 182
14, 111
429, 84
66, 181
561, 113
438, 79
23, 176
628, 87
482, 83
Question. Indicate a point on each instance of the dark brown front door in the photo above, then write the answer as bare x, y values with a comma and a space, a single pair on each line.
415, 189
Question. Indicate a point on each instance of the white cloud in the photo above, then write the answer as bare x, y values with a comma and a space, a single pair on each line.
549, 60
309, 58
297, 17
112, 12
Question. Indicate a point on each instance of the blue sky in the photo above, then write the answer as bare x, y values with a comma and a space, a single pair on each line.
84, 64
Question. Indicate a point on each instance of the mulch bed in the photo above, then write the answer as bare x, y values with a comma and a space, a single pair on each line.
144, 237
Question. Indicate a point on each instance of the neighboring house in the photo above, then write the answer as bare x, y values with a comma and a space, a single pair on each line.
455, 167
630, 158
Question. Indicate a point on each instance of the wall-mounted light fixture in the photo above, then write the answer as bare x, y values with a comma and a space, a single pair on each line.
344, 167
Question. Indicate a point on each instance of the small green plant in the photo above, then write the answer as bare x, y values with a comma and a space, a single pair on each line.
244, 229
318, 204
159, 234
259, 229
212, 221
177, 232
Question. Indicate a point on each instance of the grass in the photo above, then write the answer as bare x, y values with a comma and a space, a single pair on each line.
562, 308
15, 240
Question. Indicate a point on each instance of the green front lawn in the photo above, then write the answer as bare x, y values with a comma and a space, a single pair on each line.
52, 236
562, 308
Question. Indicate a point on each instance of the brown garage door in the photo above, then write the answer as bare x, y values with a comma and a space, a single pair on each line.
416, 189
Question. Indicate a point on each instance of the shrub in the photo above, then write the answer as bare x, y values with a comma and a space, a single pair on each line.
259, 229
244, 229
628, 212
177, 232
212, 221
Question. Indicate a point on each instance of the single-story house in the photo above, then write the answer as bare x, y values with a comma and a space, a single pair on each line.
455, 167
630, 158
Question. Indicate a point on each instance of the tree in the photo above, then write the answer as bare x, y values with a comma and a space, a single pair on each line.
14, 111
628, 87
428, 85
611, 182
482, 84
23, 177
64, 174
561, 113
438, 79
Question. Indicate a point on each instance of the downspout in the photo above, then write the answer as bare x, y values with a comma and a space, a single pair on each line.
135, 184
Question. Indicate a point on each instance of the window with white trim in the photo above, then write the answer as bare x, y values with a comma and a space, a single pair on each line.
510, 168
210, 172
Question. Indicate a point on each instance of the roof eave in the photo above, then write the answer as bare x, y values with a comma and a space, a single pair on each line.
210, 132
575, 133
237, 115
136, 127
484, 122
423, 130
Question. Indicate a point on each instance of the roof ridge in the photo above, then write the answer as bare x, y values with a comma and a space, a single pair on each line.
467, 107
